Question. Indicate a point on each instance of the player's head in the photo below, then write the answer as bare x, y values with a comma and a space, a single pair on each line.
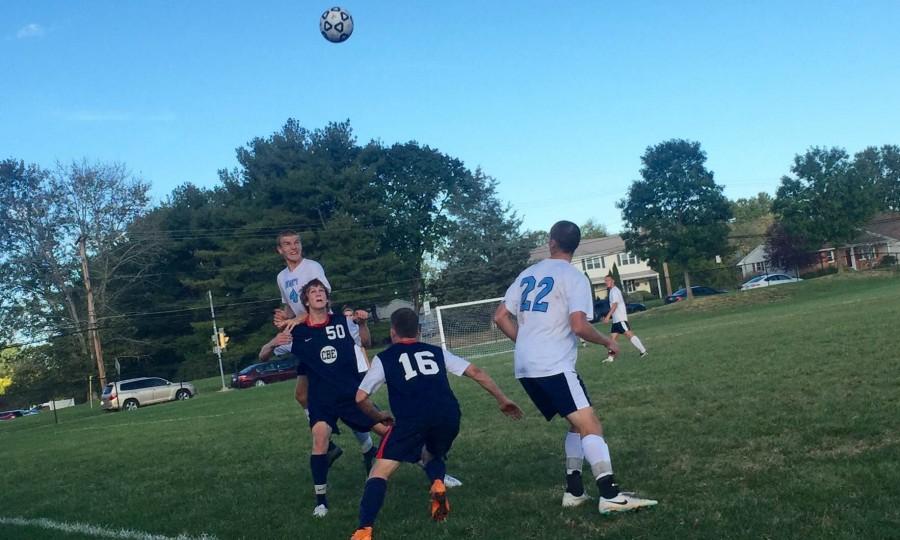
564, 237
610, 282
288, 246
314, 295
404, 324
347, 311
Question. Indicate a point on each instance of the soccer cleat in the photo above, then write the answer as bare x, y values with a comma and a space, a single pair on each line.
571, 501
608, 359
623, 502
320, 511
644, 354
451, 481
363, 533
440, 506
333, 453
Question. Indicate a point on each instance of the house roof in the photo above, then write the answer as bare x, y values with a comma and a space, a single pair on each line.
607, 245
885, 224
758, 254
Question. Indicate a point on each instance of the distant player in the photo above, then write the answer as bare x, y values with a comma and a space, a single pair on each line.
424, 411
619, 316
328, 374
552, 304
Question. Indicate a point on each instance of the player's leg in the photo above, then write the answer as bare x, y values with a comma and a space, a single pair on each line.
449, 481
301, 394
596, 452
373, 497
439, 433
367, 447
575, 494
318, 464
362, 425
636, 341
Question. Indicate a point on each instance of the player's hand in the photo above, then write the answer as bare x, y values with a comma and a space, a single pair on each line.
606, 319
282, 338
290, 324
613, 348
360, 316
279, 317
510, 409
385, 418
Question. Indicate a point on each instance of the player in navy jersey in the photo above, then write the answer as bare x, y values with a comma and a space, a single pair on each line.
328, 374
552, 303
424, 411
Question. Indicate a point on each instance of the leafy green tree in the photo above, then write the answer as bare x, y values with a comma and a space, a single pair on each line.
676, 212
826, 199
593, 229
881, 166
485, 251
752, 218
614, 273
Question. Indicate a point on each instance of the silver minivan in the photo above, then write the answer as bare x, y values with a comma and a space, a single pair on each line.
133, 393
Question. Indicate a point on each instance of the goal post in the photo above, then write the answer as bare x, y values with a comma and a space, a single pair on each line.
468, 329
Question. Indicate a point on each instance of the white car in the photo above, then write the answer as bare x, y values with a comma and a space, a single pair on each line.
767, 280
133, 393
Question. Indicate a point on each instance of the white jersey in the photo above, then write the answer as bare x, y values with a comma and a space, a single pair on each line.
290, 283
542, 298
615, 297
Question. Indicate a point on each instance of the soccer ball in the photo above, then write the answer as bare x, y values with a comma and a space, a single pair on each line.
336, 25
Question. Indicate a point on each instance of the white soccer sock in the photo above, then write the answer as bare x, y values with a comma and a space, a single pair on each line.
365, 441
574, 452
636, 341
597, 454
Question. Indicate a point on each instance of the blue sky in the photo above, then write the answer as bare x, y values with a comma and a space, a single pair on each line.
558, 103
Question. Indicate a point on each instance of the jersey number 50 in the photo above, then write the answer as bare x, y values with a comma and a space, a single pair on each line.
529, 283
335, 332
424, 361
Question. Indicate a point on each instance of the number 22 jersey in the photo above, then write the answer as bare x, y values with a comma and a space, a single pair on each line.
541, 298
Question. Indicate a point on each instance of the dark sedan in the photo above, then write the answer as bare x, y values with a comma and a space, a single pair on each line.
265, 373
601, 308
698, 290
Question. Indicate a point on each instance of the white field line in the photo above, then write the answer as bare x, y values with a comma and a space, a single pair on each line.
95, 530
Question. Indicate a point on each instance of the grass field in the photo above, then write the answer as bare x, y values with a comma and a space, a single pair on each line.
768, 414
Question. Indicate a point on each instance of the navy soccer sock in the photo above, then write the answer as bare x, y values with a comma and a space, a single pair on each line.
318, 464
372, 501
436, 469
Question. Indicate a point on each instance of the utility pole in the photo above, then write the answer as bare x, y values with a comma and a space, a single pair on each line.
92, 316
668, 281
216, 347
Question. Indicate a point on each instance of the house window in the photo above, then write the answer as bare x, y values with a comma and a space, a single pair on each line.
627, 258
630, 286
592, 263
865, 253
759, 266
828, 256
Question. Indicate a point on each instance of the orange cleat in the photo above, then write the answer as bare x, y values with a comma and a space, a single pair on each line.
440, 506
364, 533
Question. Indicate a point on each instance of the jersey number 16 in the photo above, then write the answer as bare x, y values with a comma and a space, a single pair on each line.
424, 361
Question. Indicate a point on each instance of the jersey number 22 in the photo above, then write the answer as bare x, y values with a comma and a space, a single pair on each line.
546, 285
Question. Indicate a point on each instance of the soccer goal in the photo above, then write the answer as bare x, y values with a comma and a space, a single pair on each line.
468, 329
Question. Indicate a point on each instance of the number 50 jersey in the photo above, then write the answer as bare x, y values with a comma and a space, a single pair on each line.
416, 377
541, 298
326, 354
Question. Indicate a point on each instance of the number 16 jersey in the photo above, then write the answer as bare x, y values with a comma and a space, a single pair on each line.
541, 298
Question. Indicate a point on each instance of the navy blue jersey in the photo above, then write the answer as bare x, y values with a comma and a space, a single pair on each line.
326, 354
416, 377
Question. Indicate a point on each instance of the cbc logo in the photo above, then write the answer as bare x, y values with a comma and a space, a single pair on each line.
328, 354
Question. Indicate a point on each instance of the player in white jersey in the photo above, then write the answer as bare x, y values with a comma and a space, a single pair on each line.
297, 273
551, 302
619, 316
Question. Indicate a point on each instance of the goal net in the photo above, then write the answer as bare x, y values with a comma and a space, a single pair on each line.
468, 329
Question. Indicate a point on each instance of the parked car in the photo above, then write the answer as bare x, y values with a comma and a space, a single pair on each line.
133, 393
601, 308
698, 290
766, 280
11, 415
265, 373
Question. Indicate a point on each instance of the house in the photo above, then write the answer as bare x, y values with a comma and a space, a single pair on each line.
877, 239
596, 256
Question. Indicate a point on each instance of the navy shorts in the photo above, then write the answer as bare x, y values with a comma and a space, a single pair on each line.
560, 394
404, 441
346, 412
620, 327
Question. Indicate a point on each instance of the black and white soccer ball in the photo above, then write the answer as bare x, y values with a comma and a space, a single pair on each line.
336, 25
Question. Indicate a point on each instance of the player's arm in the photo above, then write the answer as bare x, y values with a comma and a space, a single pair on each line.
301, 392
612, 309
370, 384
288, 325
586, 331
360, 316
507, 406
504, 321
267, 350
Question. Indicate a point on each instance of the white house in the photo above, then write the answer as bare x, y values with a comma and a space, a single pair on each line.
596, 256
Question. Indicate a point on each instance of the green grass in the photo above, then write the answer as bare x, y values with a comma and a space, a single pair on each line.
767, 414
